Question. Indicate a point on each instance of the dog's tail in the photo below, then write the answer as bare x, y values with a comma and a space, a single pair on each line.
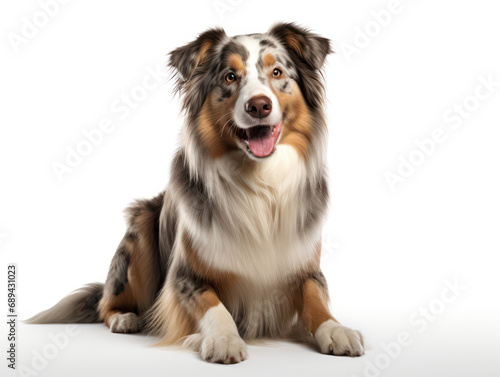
81, 306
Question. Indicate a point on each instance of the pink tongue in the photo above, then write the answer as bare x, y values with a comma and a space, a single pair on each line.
263, 144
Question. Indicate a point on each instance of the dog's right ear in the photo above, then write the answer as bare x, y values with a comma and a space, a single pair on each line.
187, 58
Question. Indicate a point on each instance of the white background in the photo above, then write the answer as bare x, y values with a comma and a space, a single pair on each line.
387, 253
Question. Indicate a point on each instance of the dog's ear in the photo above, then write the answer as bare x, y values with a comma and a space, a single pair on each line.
308, 52
302, 44
187, 58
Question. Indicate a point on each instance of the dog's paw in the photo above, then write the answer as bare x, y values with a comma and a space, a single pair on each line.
226, 349
124, 323
336, 339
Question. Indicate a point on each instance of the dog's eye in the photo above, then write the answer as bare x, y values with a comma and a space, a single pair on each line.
230, 77
277, 73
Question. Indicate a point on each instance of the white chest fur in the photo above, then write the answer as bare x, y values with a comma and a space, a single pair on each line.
258, 235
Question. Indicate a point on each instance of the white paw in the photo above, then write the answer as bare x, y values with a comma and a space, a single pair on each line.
226, 349
124, 323
336, 339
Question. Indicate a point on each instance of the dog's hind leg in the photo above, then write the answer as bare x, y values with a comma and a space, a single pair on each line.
134, 276
118, 307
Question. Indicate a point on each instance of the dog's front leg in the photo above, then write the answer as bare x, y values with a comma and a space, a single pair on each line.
330, 335
218, 340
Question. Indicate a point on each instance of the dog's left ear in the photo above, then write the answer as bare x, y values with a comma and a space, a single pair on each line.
308, 52
187, 58
308, 47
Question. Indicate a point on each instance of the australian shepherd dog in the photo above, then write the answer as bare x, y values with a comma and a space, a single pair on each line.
230, 251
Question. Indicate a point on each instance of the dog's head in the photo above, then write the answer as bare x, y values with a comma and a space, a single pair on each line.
251, 92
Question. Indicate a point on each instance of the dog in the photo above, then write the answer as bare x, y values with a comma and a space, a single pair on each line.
230, 251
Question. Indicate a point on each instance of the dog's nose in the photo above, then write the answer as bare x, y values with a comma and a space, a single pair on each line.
259, 106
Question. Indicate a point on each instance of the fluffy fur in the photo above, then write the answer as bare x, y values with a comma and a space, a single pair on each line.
231, 249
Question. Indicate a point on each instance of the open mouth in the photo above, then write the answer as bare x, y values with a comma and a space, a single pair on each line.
260, 140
